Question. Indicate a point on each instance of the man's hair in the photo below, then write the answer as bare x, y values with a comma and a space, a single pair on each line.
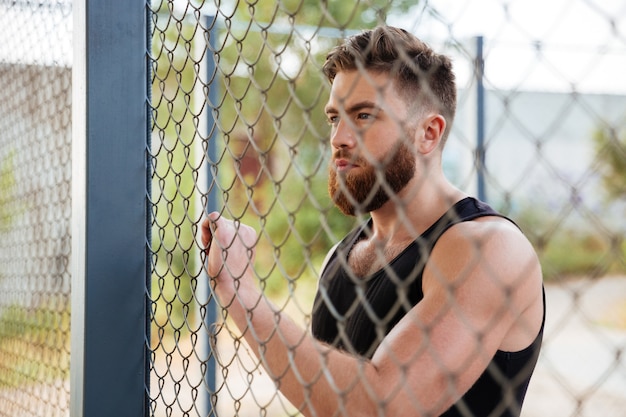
423, 78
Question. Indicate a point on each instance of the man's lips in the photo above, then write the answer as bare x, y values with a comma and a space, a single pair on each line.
344, 164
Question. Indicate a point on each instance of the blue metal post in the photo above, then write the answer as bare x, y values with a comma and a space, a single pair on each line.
480, 119
109, 263
212, 197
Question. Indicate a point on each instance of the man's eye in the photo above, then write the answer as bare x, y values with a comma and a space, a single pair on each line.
364, 116
333, 120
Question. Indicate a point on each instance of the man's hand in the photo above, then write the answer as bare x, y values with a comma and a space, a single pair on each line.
230, 249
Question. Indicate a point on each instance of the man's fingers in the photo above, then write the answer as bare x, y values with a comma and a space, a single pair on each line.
209, 225
231, 233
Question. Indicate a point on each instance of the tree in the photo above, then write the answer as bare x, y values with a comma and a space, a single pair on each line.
7, 185
611, 153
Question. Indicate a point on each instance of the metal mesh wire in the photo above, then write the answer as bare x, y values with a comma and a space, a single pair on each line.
237, 125
554, 161
35, 200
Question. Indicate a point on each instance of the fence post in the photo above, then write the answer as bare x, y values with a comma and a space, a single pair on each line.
212, 197
480, 119
109, 261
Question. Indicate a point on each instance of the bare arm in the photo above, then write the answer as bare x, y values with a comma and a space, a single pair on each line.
428, 360
297, 362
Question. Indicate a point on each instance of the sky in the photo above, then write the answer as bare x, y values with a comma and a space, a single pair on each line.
36, 34
553, 45
535, 44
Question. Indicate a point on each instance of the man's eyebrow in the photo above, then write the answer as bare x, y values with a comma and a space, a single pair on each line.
355, 107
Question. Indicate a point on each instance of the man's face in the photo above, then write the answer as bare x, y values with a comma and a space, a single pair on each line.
371, 142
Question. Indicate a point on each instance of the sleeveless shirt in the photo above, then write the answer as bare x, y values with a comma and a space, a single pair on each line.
355, 313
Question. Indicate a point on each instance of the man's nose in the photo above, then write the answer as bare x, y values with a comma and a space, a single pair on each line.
343, 135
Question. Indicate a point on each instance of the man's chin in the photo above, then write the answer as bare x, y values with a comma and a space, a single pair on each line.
371, 203
343, 204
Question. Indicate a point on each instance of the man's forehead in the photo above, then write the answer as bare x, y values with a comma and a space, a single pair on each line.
352, 87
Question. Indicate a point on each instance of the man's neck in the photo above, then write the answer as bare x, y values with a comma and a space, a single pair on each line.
416, 208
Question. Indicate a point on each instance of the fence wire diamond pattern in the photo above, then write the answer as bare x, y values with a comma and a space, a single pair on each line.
238, 126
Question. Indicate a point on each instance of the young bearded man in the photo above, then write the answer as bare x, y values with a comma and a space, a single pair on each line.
435, 305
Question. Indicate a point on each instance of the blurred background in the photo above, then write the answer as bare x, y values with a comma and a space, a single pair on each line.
235, 124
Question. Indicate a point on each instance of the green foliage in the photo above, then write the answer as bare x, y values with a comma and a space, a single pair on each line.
611, 153
7, 184
567, 252
35, 343
174, 192
571, 254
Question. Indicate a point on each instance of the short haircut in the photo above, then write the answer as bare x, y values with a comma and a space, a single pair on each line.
423, 78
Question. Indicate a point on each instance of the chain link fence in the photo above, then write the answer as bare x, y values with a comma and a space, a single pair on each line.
35, 207
238, 126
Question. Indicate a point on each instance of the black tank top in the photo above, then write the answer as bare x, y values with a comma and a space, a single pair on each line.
356, 313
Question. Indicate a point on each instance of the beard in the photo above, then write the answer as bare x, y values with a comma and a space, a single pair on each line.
363, 191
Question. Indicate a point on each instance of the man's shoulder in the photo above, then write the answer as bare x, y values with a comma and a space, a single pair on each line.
489, 268
489, 243
484, 228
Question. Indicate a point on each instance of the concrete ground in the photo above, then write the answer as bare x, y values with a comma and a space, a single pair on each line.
582, 367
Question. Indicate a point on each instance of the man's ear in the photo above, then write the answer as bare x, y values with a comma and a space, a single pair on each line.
433, 127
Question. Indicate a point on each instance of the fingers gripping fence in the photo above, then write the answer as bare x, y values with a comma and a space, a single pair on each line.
239, 127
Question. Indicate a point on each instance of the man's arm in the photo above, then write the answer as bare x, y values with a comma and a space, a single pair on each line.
482, 292
475, 291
